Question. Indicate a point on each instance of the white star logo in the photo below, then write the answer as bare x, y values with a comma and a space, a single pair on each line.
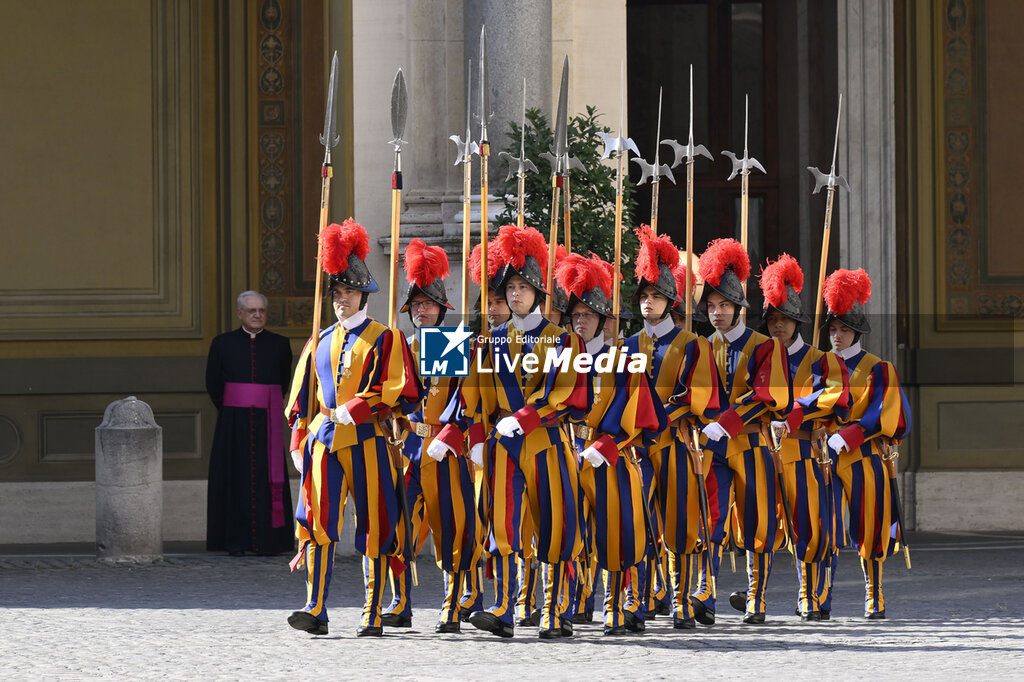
456, 338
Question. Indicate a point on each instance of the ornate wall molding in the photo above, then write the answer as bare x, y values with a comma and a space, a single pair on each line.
158, 293
970, 295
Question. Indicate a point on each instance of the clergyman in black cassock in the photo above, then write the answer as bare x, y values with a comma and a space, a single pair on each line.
249, 507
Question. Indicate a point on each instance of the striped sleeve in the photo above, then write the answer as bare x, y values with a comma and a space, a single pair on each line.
562, 393
635, 408
699, 392
770, 387
830, 394
389, 379
477, 393
298, 401
887, 413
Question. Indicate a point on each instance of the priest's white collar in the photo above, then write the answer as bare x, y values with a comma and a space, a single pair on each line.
252, 335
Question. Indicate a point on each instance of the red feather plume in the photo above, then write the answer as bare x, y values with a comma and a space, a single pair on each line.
338, 241
578, 275
776, 276
679, 272
560, 254
845, 287
424, 264
493, 262
514, 245
654, 250
721, 255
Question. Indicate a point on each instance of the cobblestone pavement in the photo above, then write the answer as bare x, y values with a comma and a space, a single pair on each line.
960, 611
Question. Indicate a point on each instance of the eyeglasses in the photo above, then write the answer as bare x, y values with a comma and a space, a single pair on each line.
422, 305
583, 317
254, 311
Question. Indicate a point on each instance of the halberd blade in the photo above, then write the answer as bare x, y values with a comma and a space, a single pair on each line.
485, 112
562, 113
399, 108
330, 137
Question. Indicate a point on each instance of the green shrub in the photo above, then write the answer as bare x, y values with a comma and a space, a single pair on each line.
592, 195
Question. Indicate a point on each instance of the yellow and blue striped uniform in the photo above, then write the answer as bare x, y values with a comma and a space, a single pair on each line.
625, 406
879, 416
441, 494
538, 467
821, 385
755, 377
676, 357
369, 370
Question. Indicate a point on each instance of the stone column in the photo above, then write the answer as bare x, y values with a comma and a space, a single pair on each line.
867, 151
518, 46
129, 481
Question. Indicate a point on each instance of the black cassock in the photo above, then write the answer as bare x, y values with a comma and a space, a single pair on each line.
238, 507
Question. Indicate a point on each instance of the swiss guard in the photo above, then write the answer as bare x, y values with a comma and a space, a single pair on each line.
625, 410
529, 457
755, 376
363, 371
439, 487
821, 387
682, 371
863, 442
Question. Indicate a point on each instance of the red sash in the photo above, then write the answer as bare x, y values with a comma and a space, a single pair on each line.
267, 397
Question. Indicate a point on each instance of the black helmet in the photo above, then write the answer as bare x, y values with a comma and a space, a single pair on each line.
845, 293
343, 250
655, 261
425, 269
724, 266
781, 283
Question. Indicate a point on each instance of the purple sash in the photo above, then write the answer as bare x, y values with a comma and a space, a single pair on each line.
267, 397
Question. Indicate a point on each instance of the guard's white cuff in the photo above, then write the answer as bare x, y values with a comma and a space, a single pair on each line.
476, 453
438, 449
508, 427
837, 443
344, 416
594, 456
715, 431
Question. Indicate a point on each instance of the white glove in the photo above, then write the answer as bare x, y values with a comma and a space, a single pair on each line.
438, 449
594, 456
837, 443
343, 416
297, 460
714, 431
476, 453
508, 427
780, 426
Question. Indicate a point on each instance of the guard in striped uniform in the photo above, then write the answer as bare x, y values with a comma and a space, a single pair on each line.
527, 613
625, 411
864, 439
439, 486
363, 371
675, 356
755, 376
821, 386
497, 313
527, 447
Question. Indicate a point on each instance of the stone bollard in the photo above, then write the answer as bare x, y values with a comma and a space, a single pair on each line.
129, 482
